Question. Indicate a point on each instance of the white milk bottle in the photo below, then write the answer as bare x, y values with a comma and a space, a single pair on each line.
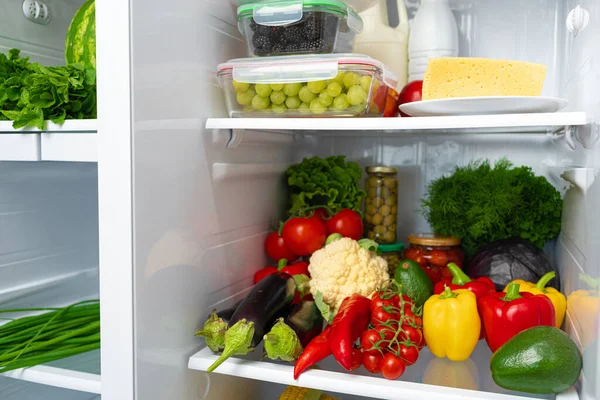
385, 36
433, 33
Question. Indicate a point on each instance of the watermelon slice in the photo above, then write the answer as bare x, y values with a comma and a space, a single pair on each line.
80, 46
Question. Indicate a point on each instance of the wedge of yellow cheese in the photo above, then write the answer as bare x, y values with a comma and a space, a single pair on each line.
470, 77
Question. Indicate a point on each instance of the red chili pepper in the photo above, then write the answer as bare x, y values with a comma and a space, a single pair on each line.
503, 315
351, 320
317, 350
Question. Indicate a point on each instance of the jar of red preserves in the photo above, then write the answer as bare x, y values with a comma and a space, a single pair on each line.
434, 253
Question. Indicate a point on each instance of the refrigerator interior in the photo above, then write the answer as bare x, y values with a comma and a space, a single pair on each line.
203, 200
198, 240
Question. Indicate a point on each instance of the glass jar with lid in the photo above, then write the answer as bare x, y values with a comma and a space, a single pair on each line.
381, 204
434, 253
392, 253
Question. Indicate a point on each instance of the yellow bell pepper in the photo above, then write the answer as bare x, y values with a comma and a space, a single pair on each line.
557, 298
451, 324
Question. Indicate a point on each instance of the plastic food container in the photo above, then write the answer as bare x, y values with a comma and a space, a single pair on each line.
358, 5
392, 253
381, 204
434, 253
328, 85
284, 27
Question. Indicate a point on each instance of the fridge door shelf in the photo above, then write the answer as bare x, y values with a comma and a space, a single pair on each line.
546, 123
75, 140
427, 379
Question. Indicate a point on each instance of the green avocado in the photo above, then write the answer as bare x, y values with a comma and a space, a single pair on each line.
414, 281
540, 360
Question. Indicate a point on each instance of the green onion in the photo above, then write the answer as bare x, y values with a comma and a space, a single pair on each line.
53, 335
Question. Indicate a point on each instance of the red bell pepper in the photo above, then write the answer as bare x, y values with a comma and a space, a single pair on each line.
315, 351
503, 315
349, 323
480, 286
460, 280
297, 268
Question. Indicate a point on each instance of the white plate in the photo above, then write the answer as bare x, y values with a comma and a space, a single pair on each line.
483, 105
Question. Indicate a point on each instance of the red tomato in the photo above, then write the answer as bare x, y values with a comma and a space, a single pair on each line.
263, 273
439, 258
276, 248
446, 274
392, 367
433, 273
380, 315
402, 302
304, 236
356, 359
422, 343
369, 340
386, 332
413, 319
411, 92
456, 256
416, 254
409, 333
372, 361
409, 354
321, 214
377, 301
347, 223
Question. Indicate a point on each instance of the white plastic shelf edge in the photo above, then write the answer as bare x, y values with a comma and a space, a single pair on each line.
58, 377
75, 140
535, 122
74, 125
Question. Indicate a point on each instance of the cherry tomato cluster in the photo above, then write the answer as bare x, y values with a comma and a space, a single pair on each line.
395, 335
434, 262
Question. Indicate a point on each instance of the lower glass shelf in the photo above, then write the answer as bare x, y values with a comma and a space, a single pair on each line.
429, 378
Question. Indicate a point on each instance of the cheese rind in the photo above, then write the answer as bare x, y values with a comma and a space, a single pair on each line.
449, 77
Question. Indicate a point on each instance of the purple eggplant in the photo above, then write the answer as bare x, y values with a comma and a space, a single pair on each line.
269, 300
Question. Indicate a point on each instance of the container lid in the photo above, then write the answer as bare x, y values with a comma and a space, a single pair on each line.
431, 239
392, 247
381, 169
302, 68
284, 12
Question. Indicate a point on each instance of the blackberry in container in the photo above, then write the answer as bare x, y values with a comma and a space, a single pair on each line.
381, 204
284, 27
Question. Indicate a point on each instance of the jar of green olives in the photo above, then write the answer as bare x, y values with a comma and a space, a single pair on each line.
392, 253
381, 204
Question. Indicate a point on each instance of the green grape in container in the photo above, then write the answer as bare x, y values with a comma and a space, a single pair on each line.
381, 204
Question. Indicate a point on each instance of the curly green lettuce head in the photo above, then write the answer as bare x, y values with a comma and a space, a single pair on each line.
329, 182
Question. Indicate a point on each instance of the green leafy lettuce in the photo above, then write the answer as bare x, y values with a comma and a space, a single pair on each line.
480, 204
330, 182
31, 94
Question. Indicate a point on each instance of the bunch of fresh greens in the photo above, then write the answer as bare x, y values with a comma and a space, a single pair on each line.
31, 94
60, 333
329, 182
480, 204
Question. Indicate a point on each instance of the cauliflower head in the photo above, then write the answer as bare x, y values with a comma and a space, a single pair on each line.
343, 268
